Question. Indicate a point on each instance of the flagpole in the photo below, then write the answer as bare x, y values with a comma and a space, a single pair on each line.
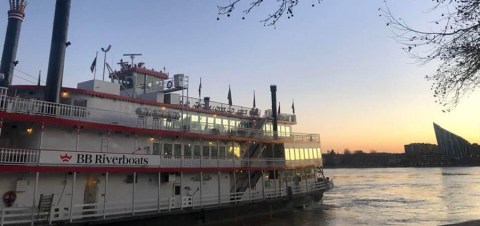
95, 73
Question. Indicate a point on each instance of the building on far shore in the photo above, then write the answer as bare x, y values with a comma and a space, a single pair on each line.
423, 154
452, 145
451, 150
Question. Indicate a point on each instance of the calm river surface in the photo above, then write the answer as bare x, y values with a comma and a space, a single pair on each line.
391, 196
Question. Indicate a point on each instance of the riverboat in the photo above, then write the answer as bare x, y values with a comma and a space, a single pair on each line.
139, 147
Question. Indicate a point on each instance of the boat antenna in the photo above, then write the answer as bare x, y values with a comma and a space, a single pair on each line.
132, 56
105, 59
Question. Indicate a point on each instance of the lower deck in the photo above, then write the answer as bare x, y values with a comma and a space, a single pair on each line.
79, 196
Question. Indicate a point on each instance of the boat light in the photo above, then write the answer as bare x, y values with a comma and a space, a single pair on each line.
65, 94
29, 130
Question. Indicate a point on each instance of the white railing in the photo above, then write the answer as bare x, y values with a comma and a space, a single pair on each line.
19, 156
53, 158
221, 107
98, 211
43, 108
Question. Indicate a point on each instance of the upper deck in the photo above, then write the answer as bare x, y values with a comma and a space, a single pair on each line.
217, 119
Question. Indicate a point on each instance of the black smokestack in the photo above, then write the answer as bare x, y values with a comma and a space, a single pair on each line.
15, 19
273, 90
57, 50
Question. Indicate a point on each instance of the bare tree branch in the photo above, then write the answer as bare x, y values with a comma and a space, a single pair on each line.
454, 41
284, 7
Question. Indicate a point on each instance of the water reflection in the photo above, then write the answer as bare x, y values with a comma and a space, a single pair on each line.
393, 196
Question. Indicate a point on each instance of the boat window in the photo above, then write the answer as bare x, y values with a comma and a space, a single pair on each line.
156, 148
194, 117
177, 151
214, 151
196, 150
287, 153
210, 123
205, 151
194, 124
297, 154
225, 124
203, 122
187, 150
167, 149
319, 153
66, 101
146, 149
177, 189
80, 103
232, 124
221, 151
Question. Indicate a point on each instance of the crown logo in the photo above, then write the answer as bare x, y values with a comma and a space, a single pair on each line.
65, 158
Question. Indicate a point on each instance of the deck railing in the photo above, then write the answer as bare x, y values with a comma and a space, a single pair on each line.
57, 110
82, 212
9, 156
19, 156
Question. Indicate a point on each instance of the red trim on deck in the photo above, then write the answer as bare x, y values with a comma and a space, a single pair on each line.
30, 168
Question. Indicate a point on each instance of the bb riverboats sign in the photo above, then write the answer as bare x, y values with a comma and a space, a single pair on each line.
85, 158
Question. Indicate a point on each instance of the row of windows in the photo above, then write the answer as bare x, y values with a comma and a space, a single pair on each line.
283, 130
208, 122
168, 149
302, 153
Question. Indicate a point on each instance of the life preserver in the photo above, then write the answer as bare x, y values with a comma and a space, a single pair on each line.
169, 84
9, 198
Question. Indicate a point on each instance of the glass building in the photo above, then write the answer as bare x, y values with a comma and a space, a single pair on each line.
451, 144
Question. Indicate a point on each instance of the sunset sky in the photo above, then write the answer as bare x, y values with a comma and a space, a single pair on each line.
350, 80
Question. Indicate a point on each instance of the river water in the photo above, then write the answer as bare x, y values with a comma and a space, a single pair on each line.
391, 196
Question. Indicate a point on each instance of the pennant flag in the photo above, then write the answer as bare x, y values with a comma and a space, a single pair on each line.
254, 104
293, 106
200, 89
94, 65
278, 107
229, 96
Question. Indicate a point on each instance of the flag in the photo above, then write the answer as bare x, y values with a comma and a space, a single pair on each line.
229, 96
293, 107
254, 104
94, 65
278, 107
200, 89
